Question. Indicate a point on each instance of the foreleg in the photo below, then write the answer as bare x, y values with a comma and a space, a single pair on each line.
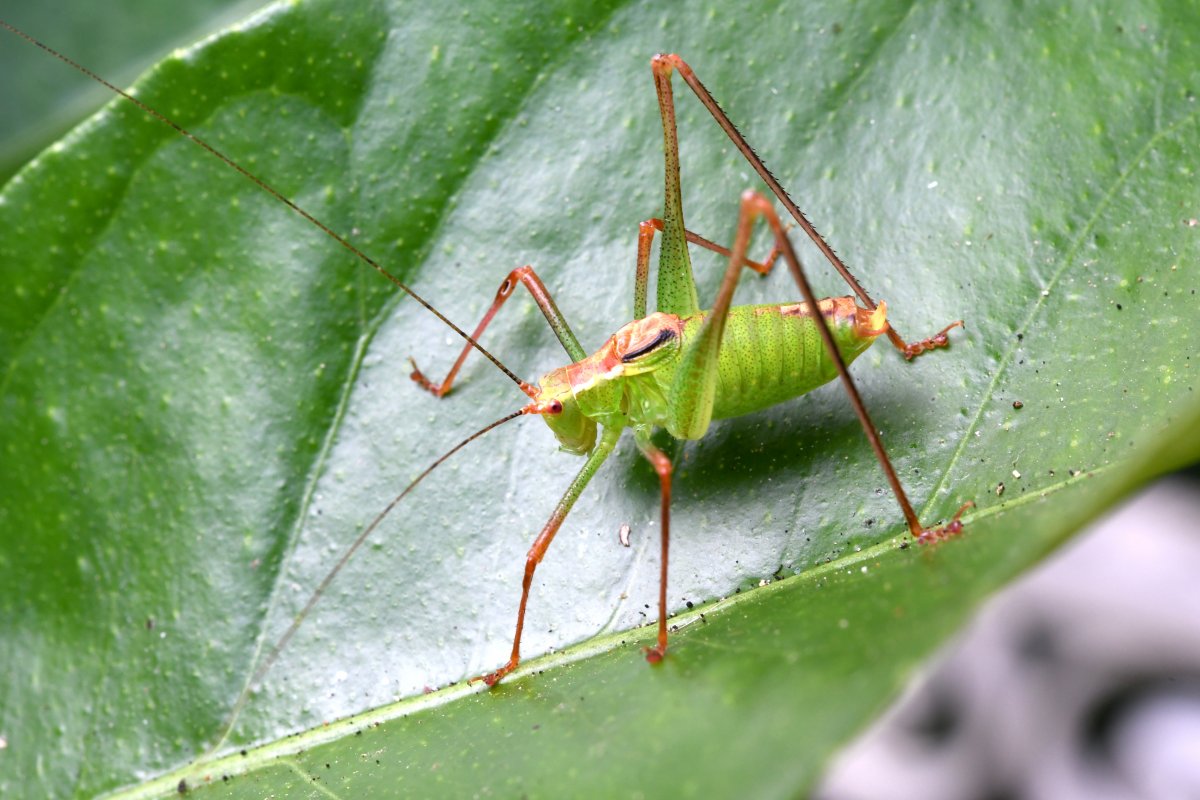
529, 279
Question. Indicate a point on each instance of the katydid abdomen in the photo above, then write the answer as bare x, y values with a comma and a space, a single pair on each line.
772, 353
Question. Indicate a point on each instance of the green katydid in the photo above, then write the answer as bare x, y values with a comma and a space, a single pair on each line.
681, 367
667, 369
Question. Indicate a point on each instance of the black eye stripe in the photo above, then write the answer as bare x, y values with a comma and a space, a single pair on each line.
664, 335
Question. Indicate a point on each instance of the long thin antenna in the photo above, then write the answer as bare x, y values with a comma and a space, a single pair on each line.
349, 552
266, 187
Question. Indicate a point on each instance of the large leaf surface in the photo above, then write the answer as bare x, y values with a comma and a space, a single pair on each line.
118, 39
204, 399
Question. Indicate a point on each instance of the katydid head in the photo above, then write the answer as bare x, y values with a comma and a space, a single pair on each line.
572, 398
555, 401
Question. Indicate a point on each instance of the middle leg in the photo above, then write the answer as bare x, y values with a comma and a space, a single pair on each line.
537, 552
662, 467
646, 232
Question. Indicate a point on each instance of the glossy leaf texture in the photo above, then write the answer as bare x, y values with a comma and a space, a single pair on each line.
118, 40
205, 399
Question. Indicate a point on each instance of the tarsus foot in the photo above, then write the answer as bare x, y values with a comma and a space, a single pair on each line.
492, 678
948, 531
939, 339
419, 377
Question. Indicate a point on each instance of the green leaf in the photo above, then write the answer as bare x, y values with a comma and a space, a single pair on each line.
205, 399
117, 39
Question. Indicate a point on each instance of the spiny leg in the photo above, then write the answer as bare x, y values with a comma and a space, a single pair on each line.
529, 279
646, 231
604, 447
754, 205
662, 66
662, 467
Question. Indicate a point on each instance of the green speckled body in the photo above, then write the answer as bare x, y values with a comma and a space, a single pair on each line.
768, 354
772, 353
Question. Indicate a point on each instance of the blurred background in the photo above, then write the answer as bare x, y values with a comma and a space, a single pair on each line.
1081, 680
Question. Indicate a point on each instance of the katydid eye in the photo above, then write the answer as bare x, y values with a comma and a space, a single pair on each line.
664, 335
555, 407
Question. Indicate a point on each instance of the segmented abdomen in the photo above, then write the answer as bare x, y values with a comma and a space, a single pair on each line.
772, 353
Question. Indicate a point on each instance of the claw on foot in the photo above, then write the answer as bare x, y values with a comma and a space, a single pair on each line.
492, 678
655, 654
419, 378
939, 339
948, 531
